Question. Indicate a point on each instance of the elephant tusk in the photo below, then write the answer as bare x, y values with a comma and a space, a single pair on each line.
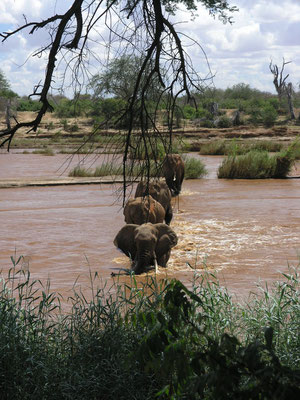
155, 266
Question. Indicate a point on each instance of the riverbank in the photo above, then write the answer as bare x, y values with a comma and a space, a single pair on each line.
56, 181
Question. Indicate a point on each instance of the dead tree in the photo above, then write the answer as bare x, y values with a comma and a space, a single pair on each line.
279, 79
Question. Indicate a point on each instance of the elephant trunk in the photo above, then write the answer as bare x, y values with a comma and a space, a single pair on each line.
143, 261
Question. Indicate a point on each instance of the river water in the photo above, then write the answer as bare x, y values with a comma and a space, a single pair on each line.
247, 231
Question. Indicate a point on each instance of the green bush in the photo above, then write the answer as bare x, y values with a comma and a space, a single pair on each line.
107, 169
25, 104
79, 171
207, 123
194, 168
189, 112
216, 147
256, 165
237, 147
224, 122
148, 340
268, 116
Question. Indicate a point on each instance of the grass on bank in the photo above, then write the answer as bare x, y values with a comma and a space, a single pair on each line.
148, 340
237, 147
257, 165
47, 151
194, 169
106, 169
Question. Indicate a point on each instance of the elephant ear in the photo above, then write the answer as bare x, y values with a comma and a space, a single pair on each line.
166, 239
125, 240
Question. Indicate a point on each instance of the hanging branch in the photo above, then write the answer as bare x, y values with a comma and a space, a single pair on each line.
147, 32
75, 9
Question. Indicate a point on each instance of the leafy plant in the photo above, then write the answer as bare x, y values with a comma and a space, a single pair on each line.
194, 168
156, 339
256, 165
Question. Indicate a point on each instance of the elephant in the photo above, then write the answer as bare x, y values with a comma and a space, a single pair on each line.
143, 209
173, 171
160, 192
147, 245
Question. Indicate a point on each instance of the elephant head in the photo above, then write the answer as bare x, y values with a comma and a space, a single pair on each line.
147, 244
143, 209
160, 192
173, 171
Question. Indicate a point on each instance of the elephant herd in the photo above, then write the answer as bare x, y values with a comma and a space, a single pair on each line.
147, 238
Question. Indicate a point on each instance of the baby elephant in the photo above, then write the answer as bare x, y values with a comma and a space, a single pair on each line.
147, 245
143, 209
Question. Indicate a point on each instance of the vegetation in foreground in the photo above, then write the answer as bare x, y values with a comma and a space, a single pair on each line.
146, 341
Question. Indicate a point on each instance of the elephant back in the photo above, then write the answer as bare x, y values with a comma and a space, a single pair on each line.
143, 209
157, 189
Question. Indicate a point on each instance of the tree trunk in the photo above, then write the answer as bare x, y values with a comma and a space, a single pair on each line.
289, 93
7, 113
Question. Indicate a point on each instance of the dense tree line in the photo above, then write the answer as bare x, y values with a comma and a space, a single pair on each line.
255, 107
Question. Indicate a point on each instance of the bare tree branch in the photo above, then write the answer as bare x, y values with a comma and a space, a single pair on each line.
145, 31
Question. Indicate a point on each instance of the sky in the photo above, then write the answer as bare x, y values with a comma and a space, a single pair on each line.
262, 31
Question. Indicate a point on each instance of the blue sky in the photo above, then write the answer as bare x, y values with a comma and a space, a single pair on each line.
263, 30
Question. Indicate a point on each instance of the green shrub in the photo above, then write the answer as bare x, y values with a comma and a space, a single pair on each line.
224, 122
216, 147
189, 112
156, 339
25, 104
265, 145
194, 168
79, 171
256, 165
107, 169
207, 123
296, 149
268, 116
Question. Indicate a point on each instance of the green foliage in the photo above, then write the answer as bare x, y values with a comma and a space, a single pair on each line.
224, 122
118, 80
182, 345
241, 91
148, 340
80, 172
27, 104
219, 8
44, 152
257, 165
112, 169
268, 115
216, 147
109, 111
5, 91
80, 105
4, 84
189, 112
207, 123
194, 168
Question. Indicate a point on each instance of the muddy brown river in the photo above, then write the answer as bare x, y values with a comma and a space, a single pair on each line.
248, 231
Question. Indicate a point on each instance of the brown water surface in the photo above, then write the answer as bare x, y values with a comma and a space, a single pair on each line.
248, 230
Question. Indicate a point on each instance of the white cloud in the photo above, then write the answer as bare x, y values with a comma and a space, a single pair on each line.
241, 52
